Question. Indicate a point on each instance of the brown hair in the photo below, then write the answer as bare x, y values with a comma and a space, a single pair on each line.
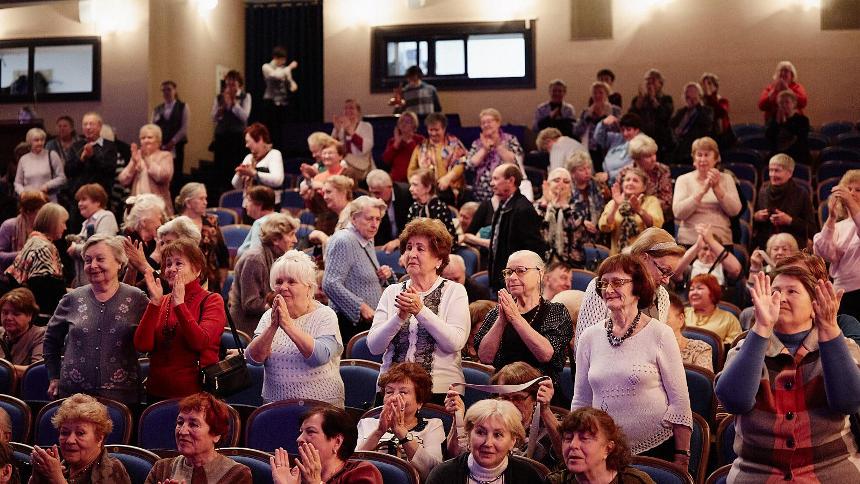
413, 372
32, 201
21, 299
643, 286
259, 131
427, 178
94, 192
713, 285
813, 263
597, 421
517, 373
336, 422
799, 271
187, 249
435, 231
263, 195
86, 408
214, 411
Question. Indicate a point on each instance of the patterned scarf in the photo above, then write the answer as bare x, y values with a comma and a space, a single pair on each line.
628, 228
425, 345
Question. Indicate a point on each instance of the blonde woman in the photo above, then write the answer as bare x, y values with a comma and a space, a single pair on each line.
39, 169
151, 168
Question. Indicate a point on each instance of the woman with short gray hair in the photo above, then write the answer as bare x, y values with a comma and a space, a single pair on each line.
40, 169
298, 340
99, 320
150, 168
247, 300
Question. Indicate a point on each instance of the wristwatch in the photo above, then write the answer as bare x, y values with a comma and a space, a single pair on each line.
409, 437
683, 452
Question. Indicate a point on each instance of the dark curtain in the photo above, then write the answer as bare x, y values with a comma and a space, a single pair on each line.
298, 26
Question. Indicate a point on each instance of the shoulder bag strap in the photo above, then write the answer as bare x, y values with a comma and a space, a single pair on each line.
719, 260
229, 322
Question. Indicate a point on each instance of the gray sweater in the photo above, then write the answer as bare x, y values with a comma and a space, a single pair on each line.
100, 358
247, 301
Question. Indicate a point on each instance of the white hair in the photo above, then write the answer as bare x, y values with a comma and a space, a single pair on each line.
536, 259
297, 265
142, 205
183, 227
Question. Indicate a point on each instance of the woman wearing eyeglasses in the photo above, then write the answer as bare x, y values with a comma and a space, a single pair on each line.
524, 326
631, 366
660, 255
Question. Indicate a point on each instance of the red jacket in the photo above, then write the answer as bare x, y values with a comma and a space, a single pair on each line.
768, 104
181, 342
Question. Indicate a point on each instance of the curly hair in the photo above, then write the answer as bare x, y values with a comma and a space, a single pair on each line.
86, 408
412, 372
436, 233
599, 422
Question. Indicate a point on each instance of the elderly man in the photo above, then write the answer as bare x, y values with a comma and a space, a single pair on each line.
555, 113
655, 109
456, 271
172, 117
556, 279
397, 200
93, 160
691, 122
515, 223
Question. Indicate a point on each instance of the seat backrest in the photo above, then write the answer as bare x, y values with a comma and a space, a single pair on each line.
726, 441
720, 475
34, 383
359, 382
155, 429
253, 395
226, 216
137, 462
231, 199
256, 460
21, 454
7, 377
228, 283
478, 374
580, 278
394, 470
357, 349
565, 383
700, 446
713, 340
21, 416
235, 234
46, 435
392, 260
700, 386
277, 424
471, 257
540, 470
660, 471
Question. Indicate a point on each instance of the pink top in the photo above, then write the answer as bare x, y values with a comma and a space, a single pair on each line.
841, 247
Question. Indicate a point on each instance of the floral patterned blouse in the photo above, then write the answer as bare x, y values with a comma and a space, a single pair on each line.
484, 172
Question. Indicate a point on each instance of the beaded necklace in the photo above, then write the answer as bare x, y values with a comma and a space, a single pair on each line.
615, 341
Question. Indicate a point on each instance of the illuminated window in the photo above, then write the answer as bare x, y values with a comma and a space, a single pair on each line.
474, 55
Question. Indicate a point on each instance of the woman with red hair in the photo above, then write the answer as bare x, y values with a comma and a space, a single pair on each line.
264, 165
704, 294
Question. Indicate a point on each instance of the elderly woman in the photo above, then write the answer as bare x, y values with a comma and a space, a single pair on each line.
66, 137
331, 154
38, 265
615, 143
298, 339
525, 327
706, 195
399, 149
494, 428
326, 443
779, 246
788, 131
20, 341
559, 223
838, 243
40, 169
399, 430
547, 448
659, 254
316, 142
354, 283
630, 211
263, 165
191, 202
559, 147
92, 200
202, 422
425, 319
655, 109
693, 351
15, 231
708, 256
247, 301
422, 187
181, 330
443, 154
704, 295
784, 78
490, 150
150, 168
99, 320
355, 134
599, 109
83, 423
595, 449
690, 122
589, 197
792, 381
643, 151
722, 127
653, 407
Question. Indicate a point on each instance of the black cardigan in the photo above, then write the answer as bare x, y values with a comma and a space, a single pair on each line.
456, 471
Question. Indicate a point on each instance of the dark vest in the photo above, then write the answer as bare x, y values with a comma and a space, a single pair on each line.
169, 127
230, 123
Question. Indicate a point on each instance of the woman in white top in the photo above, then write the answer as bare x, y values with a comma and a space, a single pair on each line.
39, 170
425, 319
399, 430
659, 253
263, 166
151, 168
92, 200
350, 130
705, 196
640, 382
298, 340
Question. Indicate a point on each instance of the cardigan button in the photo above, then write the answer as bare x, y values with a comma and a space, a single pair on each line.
789, 416
790, 442
789, 384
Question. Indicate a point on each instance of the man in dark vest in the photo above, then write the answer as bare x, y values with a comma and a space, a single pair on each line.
93, 160
172, 117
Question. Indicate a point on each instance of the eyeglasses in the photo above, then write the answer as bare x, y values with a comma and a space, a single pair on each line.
520, 271
665, 272
614, 283
515, 397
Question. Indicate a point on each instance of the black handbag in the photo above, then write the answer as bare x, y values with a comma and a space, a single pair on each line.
230, 375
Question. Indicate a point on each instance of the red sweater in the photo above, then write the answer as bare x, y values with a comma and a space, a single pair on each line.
397, 159
178, 341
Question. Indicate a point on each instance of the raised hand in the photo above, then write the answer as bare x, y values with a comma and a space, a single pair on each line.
279, 306
46, 463
309, 463
617, 196
766, 303
281, 472
153, 287
545, 392
408, 302
826, 307
453, 401
178, 293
